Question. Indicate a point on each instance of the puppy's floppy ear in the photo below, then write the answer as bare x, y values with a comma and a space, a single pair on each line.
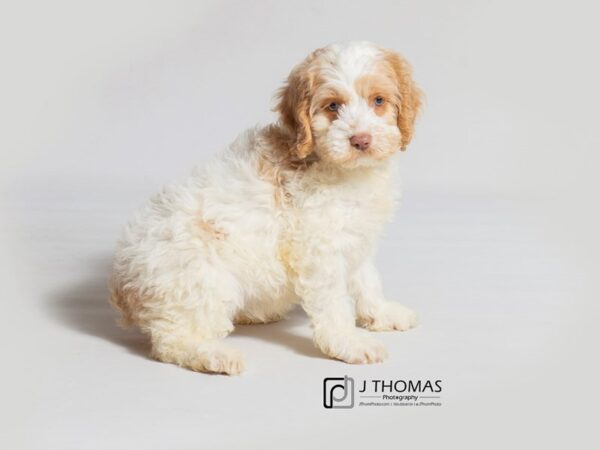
410, 96
294, 108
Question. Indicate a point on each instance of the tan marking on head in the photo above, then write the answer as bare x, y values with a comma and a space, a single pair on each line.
295, 101
324, 96
375, 85
410, 96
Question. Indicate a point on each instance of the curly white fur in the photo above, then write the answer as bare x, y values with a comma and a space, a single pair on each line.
288, 214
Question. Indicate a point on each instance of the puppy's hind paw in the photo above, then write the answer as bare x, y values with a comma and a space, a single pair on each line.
210, 357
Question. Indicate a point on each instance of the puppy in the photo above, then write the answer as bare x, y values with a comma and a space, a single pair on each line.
288, 214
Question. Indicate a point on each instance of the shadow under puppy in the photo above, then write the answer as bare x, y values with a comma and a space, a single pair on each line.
288, 214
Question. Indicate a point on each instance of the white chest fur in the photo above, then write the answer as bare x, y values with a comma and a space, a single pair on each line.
341, 212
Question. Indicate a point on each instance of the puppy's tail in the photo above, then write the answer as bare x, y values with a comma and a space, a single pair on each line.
121, 300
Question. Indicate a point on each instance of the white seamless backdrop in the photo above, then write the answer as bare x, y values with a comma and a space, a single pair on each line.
495, 244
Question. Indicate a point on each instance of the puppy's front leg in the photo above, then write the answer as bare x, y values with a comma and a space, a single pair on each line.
325, 298
372, 311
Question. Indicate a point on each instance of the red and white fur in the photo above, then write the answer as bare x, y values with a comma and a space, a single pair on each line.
287, 215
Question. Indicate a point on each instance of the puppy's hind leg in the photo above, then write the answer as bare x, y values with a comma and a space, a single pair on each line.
210, 355
193, 337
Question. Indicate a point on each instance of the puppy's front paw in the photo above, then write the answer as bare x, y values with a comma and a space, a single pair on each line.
354, 347
391, 316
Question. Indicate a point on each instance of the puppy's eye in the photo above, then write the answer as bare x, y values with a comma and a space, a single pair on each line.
379, 100
333, 106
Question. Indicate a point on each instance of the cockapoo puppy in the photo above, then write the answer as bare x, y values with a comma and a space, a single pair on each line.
288, 214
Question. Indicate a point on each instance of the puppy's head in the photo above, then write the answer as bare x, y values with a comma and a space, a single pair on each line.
352, 104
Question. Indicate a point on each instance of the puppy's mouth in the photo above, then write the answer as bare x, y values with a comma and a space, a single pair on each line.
361, 157
362, 152
381, 148
373, 144
372, 152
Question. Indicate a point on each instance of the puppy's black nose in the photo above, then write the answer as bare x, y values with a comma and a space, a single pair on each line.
361, 141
